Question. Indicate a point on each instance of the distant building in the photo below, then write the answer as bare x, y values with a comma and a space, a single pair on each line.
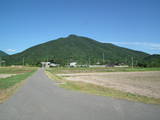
73, 64
53, 65
45, 64
98, 63
121, 66
49, 64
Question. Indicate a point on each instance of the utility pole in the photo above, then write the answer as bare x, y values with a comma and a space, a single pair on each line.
132, 62
89, 62
103, 58
125, 60
137, 63
23, 61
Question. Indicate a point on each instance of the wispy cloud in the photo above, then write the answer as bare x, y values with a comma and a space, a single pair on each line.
11, 50
151, 46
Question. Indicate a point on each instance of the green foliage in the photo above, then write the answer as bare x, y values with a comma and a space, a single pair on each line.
3, 53
15, 70
150, 61
100, 69
75, 48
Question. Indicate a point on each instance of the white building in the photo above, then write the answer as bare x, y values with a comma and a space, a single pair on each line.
45, 64
73, 64
49, 64
53, 65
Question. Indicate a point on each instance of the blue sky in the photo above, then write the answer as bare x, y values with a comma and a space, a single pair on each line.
133, 24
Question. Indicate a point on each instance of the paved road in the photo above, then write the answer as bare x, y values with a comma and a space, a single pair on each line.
41, 99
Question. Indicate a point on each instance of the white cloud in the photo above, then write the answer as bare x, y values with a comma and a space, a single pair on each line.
151, 46
11, 50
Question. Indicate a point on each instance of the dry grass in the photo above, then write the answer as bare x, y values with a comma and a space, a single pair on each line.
142, 83
6, 75
142, 86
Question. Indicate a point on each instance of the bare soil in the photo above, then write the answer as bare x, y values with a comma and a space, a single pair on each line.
142, 83
6, 75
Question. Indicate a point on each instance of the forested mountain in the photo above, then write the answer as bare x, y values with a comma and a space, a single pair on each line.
75, 48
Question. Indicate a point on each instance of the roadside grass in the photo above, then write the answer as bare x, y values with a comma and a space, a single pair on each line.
10, 84
10, 81
100, 90
58, 79
104, 91
139, 69
98, 69
15, 70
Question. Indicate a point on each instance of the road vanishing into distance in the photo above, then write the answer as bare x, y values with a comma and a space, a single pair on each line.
41, 99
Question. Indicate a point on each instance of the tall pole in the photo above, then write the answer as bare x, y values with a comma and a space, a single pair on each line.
125, 60
103, 58
23, 61
89, 61
132, 62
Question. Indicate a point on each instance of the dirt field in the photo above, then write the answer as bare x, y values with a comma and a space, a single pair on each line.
142, 83
6, 75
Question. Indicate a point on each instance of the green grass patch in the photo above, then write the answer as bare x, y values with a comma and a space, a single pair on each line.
103, 91
139, 69
8, 86
105, 69
15, 70
11, 81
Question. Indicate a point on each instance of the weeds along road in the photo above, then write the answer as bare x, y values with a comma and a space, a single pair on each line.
41, 99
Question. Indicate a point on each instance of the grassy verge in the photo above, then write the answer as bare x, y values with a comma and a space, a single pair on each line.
9, 85
100, 90
111, 69
103, 91
15, 70
11, 81
55, 77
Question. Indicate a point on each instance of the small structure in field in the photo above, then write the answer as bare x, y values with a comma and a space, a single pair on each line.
45, 64
73, 64
121, 66
53, 65
49, 64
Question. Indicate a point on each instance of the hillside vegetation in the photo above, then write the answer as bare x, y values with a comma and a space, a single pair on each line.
3, 53
75, 48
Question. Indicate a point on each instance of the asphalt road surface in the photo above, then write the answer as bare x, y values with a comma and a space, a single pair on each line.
41, 99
